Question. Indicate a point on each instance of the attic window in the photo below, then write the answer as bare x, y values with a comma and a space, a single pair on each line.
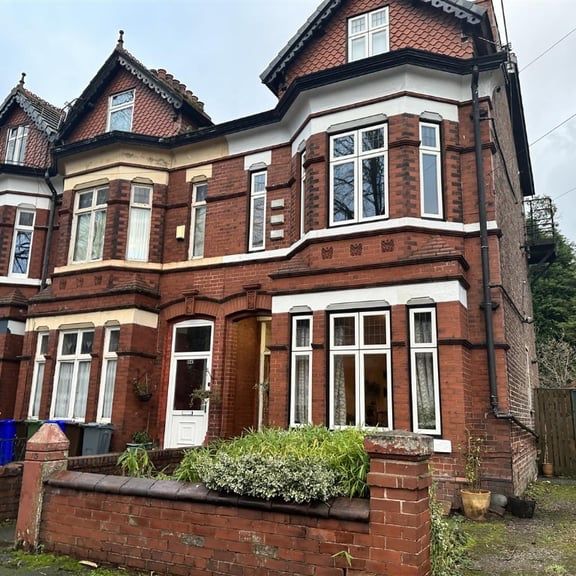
120, 111
368, 35
16, 145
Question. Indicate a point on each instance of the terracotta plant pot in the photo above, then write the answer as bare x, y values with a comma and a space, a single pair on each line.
475, 503
548, 469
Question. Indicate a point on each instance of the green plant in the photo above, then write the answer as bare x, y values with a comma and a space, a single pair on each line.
448, 541
346, 556
136, 462
473, 456
141, 437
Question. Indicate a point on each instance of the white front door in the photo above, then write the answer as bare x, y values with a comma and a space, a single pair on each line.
189, 387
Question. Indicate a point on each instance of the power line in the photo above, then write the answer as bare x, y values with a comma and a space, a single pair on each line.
564, 194
549, 49
552, 130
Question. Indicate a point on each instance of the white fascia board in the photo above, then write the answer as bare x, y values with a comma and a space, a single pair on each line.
27, 184
19, 281
448, 291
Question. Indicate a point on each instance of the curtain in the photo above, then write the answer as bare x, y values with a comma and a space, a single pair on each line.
98, 235
302, 385
139, 234
258, 208
82, 236
63, 390
423, 328
199, 225
81, 390
35, 412
339, 377
425, 390
109, 382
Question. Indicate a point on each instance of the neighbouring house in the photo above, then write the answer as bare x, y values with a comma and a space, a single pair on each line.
353, 257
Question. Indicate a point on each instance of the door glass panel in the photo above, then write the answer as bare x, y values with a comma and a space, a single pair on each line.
375, 330
193, 339
376, 390
190, 377
344, 390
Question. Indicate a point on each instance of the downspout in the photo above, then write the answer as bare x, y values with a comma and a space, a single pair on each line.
48, 244
487, 303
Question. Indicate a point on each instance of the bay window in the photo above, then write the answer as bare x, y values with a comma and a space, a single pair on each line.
257, 234
139, 223
199, 193
360, 369
430, 171
89, 225
22, 242
301, 371
38, 376
108, 379
358, 175
72, 375
424, 371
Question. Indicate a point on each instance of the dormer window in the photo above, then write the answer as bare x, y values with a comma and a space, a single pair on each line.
16, 145
121, 111
368, 35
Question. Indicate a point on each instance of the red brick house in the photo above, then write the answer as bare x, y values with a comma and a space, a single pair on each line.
336, 260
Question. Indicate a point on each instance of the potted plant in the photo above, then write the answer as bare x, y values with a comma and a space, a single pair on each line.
140, 439
547, 466
475, 500
142, 387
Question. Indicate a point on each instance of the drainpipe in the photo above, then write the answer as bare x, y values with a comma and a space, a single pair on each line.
487, 303
51, 218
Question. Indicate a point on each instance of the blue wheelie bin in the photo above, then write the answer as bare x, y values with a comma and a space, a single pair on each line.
7, 439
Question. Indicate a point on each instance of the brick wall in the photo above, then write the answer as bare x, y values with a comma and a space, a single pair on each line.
10, 482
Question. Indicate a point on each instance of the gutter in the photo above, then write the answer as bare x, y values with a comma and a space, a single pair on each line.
487, 304
48, 244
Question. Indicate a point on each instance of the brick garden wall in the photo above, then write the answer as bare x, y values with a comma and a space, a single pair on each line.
10, 481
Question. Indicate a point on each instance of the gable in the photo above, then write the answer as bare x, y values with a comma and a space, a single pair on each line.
430, 25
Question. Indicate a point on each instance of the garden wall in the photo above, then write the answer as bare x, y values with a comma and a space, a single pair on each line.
176, 528
10, 481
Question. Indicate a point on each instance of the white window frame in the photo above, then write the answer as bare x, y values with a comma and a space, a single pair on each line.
253, 197
359, 350
38, 385
302, 191
368, 32
263, 378
24, 229
196, 205
427, 348
76, 358
300, 352
140, 206
107, 357
435, 151
357, 157
18, 136
92, 209
118, 107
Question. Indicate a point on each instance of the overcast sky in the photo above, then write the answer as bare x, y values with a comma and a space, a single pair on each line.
218, 48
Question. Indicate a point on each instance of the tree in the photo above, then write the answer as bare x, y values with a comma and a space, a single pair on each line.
557, 363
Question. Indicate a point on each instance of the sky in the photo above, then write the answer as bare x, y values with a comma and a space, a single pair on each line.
218, 48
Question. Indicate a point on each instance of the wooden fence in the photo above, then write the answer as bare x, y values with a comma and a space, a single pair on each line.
556, 426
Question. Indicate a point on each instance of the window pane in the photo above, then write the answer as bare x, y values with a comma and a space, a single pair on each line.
258, 209
85, 200
199, 230
114, 340
376, 390
425, 391
63, 390
423, 328
344, 146
378, 19
301, 389
23, 242
193, 339
358, 48
35, 412
372, 139
26, 218
379, 42
121, 120
10, 149
102, 196
303, 333
139, 232
259, 183
44, 344
344, 331
98, 235
69, 342
358, 25
141, 195
123, 98
343, 183
430, 180
82, 237
81, 390
375, 330
344, 401
109, 382
87, 342
429, 136
201, 192
190, 377
373, 193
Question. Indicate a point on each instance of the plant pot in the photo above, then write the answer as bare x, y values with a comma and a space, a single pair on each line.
475, 503
548, 469
144, 397
521, 507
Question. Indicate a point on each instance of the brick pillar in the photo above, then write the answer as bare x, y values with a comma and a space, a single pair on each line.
399, 479
46, 453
